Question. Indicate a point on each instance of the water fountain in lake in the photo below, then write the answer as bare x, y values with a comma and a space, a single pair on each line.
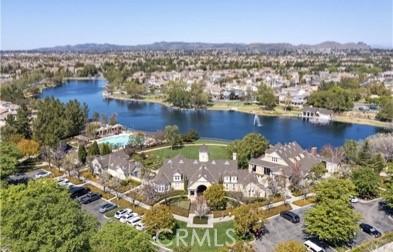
257, 121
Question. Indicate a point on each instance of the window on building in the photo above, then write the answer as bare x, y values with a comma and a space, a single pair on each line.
177, 178
266, 171
234, 179
227, 179
274, 159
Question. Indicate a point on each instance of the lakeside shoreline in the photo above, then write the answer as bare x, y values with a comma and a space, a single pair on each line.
255, 110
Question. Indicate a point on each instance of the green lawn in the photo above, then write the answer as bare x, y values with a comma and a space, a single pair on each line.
214, 237
192, 152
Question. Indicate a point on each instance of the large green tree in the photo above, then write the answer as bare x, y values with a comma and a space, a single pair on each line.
173, 136
117, 237
82, 154
20, 123
248, 218
41, 216
215, 196
251, 146
332, 221
159, 218
335, 98
178, 95
386, 111
366, 182
334, 189
388, 194
56, 121
265, 96
9, 155
199, 97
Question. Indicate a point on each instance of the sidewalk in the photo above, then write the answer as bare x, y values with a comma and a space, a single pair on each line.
121, 195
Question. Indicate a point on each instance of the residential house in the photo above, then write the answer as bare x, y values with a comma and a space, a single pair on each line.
117, 164
195, 176
282, 160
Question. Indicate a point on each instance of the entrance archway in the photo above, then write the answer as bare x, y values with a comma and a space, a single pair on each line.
200, 189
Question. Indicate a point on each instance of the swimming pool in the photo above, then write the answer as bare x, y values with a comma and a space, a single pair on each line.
116, 140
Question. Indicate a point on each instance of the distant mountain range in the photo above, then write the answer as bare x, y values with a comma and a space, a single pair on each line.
199, 46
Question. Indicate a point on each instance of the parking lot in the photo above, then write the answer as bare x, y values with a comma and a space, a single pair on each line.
279, 229
371, 215
93, 207
31, 174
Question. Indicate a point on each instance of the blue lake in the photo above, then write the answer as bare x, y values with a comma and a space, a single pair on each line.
211, 124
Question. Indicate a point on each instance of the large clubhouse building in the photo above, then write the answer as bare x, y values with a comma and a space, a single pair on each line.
195, 176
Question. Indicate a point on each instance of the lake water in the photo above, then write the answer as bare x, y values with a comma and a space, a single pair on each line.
211, 124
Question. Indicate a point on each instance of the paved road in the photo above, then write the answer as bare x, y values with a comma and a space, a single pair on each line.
31, 174
371, 215
280, 229
93, 207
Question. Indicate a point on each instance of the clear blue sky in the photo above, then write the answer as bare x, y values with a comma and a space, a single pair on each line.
27, 24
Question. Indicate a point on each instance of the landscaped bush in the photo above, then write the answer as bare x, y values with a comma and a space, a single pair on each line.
179, 205
179, 211
200, 220
375, 243
55, 171
276, 210
304, 202
122, 203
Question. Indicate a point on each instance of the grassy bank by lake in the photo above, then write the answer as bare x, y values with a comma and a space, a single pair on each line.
253, 108
192, 152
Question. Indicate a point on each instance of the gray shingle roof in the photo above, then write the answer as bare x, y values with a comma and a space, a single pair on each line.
213, 170
292, 154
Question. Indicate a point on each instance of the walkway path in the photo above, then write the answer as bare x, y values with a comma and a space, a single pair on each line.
121, 195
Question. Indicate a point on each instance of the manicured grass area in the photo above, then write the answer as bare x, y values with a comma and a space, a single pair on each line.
211, 141
374, 243
192, 152
54, 170
128, 185
121, 203
89, 175
105, 195
75, 180
179, 205
276, 210
304, 202
214, 237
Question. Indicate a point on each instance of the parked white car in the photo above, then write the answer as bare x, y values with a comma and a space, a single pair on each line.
119, 214
42, 174
354, 200
64, 182
139, 226
133, 221
125, 218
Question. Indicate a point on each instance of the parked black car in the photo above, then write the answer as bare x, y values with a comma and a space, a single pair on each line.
291, 216
77, 191
370, 230
90, 197
106, 207
18, 179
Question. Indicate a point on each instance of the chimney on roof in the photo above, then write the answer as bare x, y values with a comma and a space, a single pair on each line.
234, 156
314, 151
